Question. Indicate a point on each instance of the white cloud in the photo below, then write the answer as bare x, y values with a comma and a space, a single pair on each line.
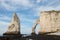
3, 23
25, 29
13, 5
7, 6
38, 1
25, 4
3, 26
25, 17
58, 7
4, 17
45, 8
52, 2
21, 2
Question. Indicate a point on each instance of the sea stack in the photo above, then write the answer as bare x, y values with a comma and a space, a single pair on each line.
14, 28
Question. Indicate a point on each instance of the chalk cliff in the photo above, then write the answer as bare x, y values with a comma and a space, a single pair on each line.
14, 27
49, 22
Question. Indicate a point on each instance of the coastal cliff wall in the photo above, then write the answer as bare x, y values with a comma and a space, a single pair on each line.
49, 21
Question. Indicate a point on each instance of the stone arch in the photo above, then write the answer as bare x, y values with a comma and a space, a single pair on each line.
34, 26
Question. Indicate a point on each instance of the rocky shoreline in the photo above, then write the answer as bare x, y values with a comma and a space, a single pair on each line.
30, 37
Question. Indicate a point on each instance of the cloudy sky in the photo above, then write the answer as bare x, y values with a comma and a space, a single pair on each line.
27, 10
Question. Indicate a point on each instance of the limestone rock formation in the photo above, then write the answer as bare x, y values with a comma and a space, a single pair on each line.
49, 22
34, 26
14, 27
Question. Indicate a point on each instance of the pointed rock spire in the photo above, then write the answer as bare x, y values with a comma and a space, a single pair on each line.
14, 27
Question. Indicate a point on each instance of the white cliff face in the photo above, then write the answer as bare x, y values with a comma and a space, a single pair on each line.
45, 22
14, 26
49, 21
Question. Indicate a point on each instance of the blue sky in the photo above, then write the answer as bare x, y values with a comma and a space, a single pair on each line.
27, 10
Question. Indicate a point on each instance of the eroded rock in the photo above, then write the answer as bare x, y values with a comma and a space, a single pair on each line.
14, 27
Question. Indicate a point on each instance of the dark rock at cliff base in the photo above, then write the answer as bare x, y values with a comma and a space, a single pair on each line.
33, 34
12, 33
29, 37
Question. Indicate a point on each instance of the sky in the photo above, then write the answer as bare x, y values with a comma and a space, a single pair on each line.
28, 12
